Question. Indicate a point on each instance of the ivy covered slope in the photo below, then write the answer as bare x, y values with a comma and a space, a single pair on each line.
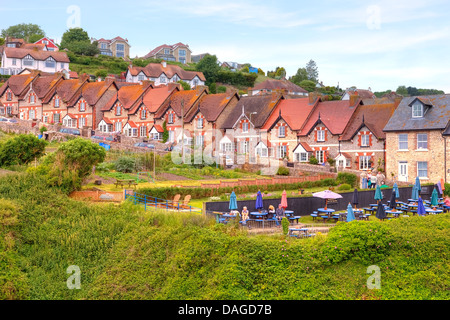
125, 253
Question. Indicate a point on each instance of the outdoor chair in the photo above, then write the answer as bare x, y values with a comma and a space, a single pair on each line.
186, 201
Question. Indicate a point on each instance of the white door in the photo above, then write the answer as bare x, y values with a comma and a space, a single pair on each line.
403, 171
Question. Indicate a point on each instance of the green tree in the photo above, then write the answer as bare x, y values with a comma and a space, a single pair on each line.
2, 41
165, 135
402, 90
312, 71
301, 75
261, 72
77, 40
308, 85
210, 68
28, 31
21, 149
101, 73
212, 88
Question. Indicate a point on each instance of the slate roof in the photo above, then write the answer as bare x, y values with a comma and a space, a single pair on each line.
165, 46
263, 105
436, 116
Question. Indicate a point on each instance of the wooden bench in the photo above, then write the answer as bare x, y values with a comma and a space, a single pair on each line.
124, 182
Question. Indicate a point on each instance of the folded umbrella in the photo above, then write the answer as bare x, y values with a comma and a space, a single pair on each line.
378, 194
233, 202
350, 214
414, 193
397, 195
284, 200
420, 207
381, 214
438, 185
417, 184
392, 203
434, 198
355, 197
259, 202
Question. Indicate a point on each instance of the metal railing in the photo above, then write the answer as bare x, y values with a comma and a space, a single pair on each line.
157, 203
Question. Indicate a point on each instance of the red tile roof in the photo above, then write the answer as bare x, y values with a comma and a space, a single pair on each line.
91, 92
294, 112
211, 106
41, 55
65, 89
188, 97
18, 83
335, 115
158, 128
128, 96
156, 97
155, 70
132, 124
165, 46
273, 84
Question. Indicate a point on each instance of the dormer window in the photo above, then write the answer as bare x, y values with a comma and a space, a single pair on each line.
200, 123
282, 132
82, 106
50, 63
28, 61
320, 135
118, 111
417, 110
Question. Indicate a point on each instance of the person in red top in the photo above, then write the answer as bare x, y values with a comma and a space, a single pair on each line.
447, 201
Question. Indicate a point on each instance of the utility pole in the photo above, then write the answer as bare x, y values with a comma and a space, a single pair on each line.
182, 129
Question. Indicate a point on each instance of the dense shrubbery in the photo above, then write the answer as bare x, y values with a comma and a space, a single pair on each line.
283, 171
237, 78
347, 178
21, 149
344, 186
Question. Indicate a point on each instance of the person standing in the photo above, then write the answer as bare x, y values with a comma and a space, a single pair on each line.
369, 180
363, 179
380, 178
373, 180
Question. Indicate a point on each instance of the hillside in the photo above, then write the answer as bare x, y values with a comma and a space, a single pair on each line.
125, 253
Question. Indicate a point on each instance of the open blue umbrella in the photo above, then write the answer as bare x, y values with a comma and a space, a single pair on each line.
417, 184
420, 207
397, 195
434, 198
259, 202
350, 214
233, 202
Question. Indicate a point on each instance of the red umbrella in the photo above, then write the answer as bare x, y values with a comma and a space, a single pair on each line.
284, 200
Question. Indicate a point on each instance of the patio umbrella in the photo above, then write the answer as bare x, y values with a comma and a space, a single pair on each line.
442, 185
392, 203
420, 207
355, 197
350, 214
395, 187
438, 185
259, 202
381, 214
327, 194
284, 200
233, 202
378, 194
434, 198
417, 184
414, 193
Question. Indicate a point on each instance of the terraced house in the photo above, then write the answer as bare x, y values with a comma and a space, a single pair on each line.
13, 91
417, 139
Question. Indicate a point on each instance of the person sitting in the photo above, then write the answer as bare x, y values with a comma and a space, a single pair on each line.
279, 214
271, 212
447, 201
244, 214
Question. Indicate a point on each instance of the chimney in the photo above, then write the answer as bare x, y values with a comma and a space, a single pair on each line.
148, 82
172, 85
353, 99
83, 77
275, 95
164, 64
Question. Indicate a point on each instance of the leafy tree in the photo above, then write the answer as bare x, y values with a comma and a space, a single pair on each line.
208, 65
402, 90
308, 85
29, 32
279, 72
261, 72
301, 75
101, 73
221, 89
245, 69
312, 71
2, 41
77, 40
212, 88
185, 85
21, 149
125, 164
165, 135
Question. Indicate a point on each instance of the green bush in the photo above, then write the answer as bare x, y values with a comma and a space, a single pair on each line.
344, 186
125, 164
283, 171
348, 178
313, 160
21, 149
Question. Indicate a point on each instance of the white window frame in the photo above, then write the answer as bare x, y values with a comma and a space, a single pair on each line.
143, 131
320, 156
200, 123
402, 142
421, 143
118, 126
417, 110
320, 135
143, 114
227, 147
170, 118
281, 132
245, 127
81, 122
199, 140
82, 106
118, 110
31, 111
421, 170
50, 63
58, 116
32, 98
281, 151
364, 162
262, 151
365, 140
56, 102
28, 61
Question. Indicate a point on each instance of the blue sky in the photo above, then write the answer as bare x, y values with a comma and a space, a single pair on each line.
377, 44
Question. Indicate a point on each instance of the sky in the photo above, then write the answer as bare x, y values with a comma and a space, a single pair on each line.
368, 44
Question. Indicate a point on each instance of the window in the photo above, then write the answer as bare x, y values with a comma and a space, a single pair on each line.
63, 65
282, 131
8, 96
320, 135
120, 47
50, 63
195, 82
200, 123
82, 106
120, 54
163, 79
56, 118
403, 141
199, 140
417, 110
56, 102
45, 42
31, 114
365, 140
422, 141
31, 98
28, 61
8, 110
143, 114
103, 45
320, 155
422, 169
182, 52
245, 127
14, 62
281, 151
118, 126
301, 157
45, 119
118, 110
364, 162
244, 146
170, 118
227, 147
143, 131
262, 151
81, 123
141, 77
166, 51
171, 136
182, 60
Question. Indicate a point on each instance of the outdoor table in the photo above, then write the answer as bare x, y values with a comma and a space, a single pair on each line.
286, 212
369, 209
446, 208
326, 211
433, 211
292, 230
227, 216
260, 215
394, 213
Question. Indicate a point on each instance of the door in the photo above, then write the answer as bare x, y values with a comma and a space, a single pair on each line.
403, 171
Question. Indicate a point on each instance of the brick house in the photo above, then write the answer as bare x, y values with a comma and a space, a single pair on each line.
416, 139
324, 126
362, 144
13, 91
178, 52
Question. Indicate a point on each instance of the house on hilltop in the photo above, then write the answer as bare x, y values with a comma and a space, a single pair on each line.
178, 52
